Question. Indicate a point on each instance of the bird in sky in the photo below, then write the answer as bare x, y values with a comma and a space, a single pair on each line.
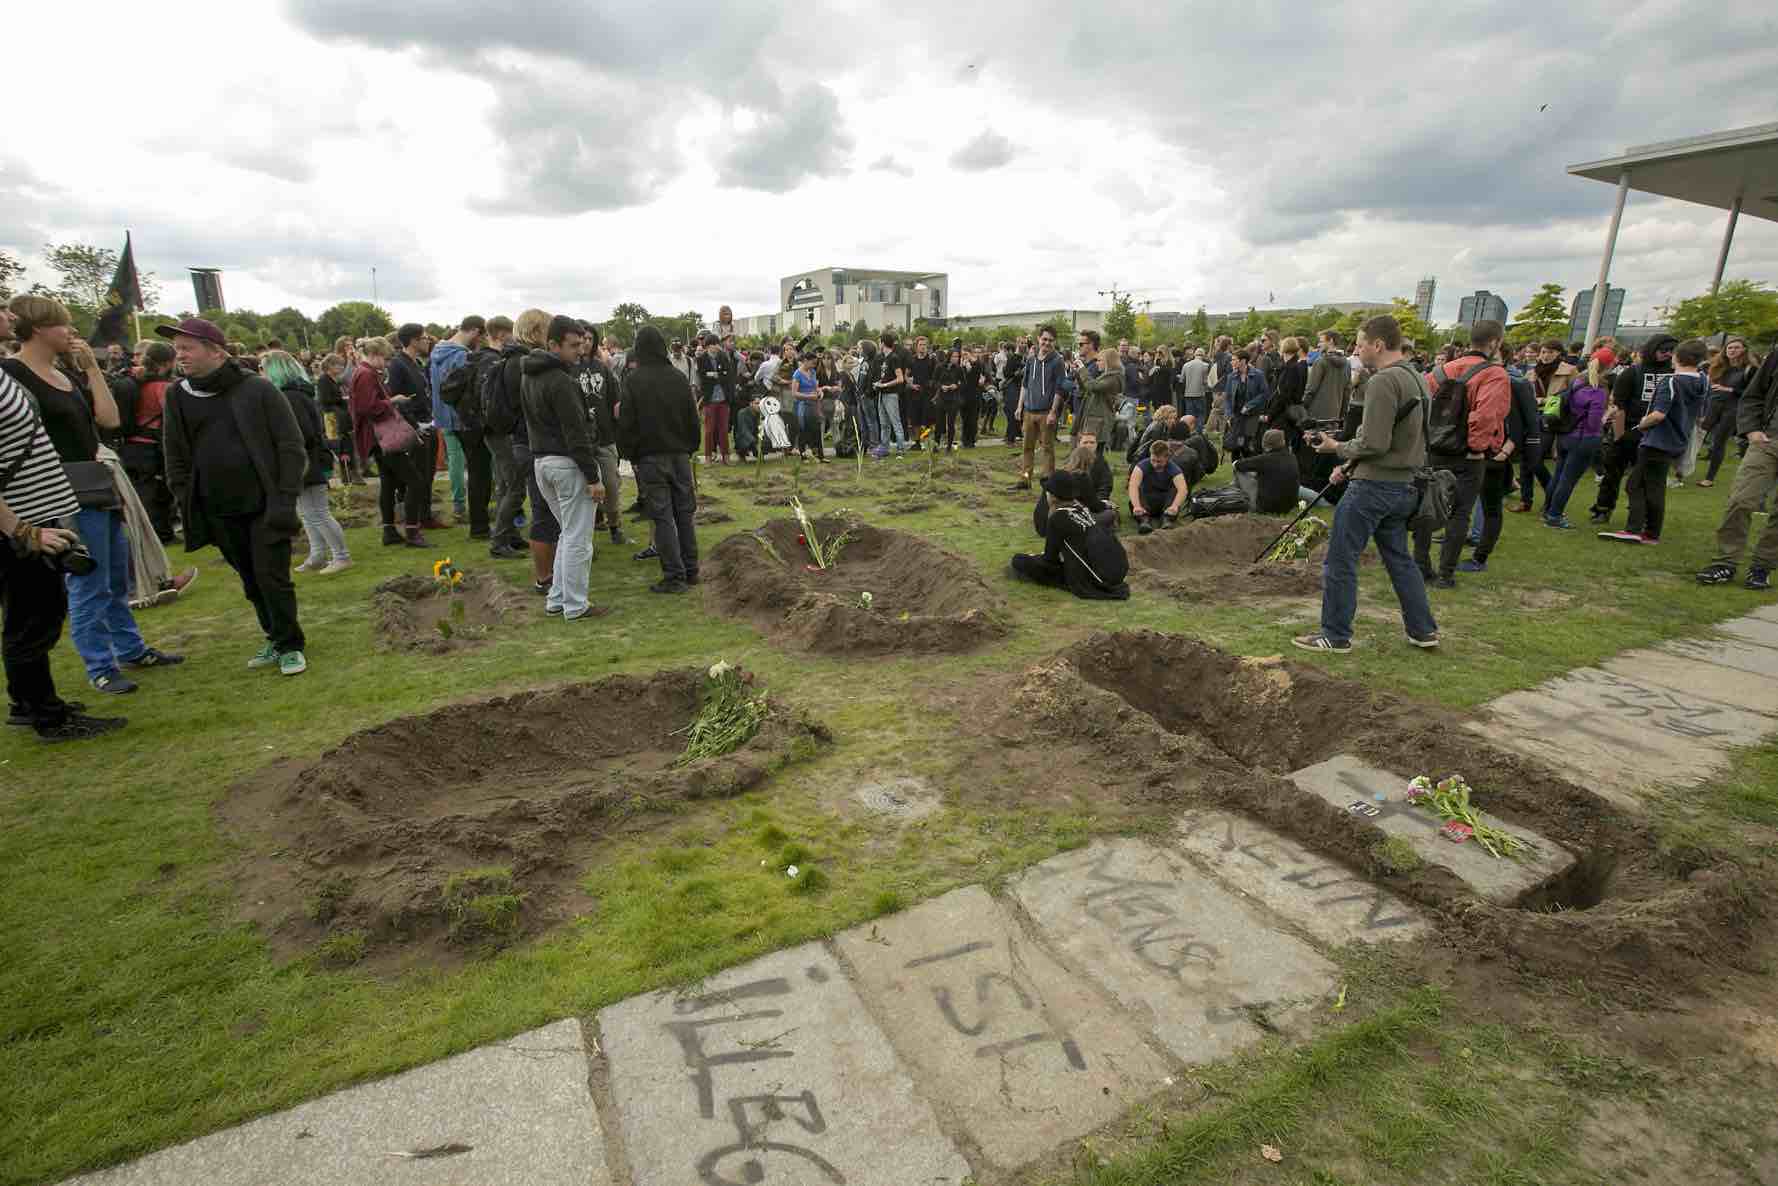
1545, 107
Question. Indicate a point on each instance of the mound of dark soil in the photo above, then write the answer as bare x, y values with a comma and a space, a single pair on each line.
416, 613
922, 597
1174, 708
427, 837
705, 517
1203, 556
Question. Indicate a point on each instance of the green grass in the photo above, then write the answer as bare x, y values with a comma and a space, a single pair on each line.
135, 1011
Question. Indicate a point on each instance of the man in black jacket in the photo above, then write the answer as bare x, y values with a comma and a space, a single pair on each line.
502, 417
235, 462
564, 451
1630, 393
1080, 553
1758, 422
657, 425
598, 387
408, 375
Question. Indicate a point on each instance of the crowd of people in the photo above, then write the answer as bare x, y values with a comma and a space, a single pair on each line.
105, 460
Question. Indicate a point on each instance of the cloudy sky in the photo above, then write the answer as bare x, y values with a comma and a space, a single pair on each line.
685, 155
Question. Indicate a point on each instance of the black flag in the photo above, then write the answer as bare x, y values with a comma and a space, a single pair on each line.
124, 295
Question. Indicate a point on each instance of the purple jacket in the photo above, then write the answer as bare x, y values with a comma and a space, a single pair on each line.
1587, 404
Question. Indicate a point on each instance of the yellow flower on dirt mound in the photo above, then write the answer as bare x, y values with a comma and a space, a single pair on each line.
925, 432
439, 566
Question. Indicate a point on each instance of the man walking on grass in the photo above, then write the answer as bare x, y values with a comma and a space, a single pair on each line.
235, 462
1377, 467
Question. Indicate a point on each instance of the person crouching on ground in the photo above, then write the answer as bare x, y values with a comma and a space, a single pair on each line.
657, 425
1270, 480
565, 460
235, 461
1086, 464
1157, 488
1079, 554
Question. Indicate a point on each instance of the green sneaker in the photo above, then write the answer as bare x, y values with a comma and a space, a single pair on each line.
292, 663
268, 655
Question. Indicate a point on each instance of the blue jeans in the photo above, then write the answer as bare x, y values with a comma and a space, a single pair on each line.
1578, 455
564, 489
891, 428
99, 617
1380, 510
869, 430
1194, 405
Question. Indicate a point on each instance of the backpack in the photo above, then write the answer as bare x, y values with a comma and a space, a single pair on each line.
1208, 457
1447, 418
1224, 500
500, 411
457, 383
1559, 420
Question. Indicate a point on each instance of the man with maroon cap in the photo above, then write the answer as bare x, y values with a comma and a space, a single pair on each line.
235, 461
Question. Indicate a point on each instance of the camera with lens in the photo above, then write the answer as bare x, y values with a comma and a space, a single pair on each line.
74, 560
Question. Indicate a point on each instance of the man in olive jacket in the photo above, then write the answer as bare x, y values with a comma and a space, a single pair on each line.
235, 462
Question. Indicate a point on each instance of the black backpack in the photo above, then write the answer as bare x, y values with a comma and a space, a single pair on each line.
1208, 457
1447, 419
1224, 500
458, 383
500, 409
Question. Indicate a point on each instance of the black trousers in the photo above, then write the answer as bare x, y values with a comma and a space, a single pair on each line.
401, 472
479, 465
147, 467
972, 411
946, 425
1534, 473
262, 558
1617, 459
1650, 476
35, 601
664, 480
1493, 497
426, 464
1469, 485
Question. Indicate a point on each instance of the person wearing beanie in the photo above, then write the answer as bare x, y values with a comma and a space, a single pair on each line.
1080, 554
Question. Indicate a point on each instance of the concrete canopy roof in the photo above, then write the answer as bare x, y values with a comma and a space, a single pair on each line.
1711, 170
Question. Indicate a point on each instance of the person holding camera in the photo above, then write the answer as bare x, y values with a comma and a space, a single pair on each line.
35, 498
99, 616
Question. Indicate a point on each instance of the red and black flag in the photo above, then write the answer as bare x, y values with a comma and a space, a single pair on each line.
123, 297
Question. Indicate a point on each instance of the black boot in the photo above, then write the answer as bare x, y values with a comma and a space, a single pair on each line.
392, 535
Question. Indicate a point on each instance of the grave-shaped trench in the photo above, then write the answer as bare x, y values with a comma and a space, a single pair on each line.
885, 591
434, 836
1217, 556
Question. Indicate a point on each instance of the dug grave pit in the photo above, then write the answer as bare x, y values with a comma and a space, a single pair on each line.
1215, 556
421, 613
921, 598
1619, 915
430, 838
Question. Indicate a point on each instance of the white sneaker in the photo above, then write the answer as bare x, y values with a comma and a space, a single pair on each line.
336, 566
311, 565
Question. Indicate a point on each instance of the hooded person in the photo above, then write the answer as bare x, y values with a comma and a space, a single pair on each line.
658, 428
1631, 392
564, 450
1080, 554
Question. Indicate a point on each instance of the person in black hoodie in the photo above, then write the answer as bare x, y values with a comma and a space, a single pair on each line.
1079, 553
564, 450
598, 387
235, 462
503, 429
1630, 393
657, 425
408, 376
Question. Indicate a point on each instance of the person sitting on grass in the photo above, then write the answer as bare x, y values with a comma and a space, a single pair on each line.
1085, 463
1270, 480
1157, 488
1099, 471
1079, 553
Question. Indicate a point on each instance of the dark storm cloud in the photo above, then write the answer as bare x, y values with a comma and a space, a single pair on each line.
587, 98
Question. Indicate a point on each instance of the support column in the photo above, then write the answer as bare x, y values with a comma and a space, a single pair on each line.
1602, 288
1728, 236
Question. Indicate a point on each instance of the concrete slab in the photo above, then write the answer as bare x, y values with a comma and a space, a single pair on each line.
1326, 899
1737, 654
1024, 1055
1618, 732
1754, 629
1199, 966
520, 1107
1699, 681
1766, 613
1344, 780
771, 1072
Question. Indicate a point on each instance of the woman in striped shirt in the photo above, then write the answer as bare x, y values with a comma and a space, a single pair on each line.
35, 499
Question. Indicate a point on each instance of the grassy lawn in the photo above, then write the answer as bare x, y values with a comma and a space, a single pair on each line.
136, 1012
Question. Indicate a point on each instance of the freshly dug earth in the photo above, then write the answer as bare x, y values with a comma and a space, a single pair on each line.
1201, 727
408, 611
1203, 556
431, 837
922, 597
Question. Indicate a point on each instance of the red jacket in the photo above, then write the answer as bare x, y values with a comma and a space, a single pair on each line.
370, 403
1490, 399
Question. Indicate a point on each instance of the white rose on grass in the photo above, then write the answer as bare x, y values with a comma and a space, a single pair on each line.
864, 599
791, 872
720, 668
1301, 505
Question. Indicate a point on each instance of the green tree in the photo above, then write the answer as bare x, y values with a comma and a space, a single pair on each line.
1744, 307
356, 319
12, 273
1200, 331
1144, 335
624, 321
1060, 326
293, 327
1544, 317
1120, 323
85, 272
